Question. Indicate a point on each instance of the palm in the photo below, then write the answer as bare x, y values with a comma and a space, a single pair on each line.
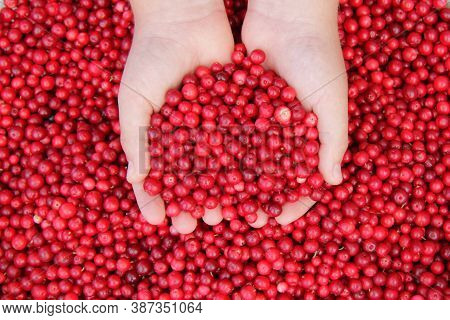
298, 51
159, 58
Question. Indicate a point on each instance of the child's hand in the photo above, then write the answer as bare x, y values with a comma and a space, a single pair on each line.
170, 40
302, 44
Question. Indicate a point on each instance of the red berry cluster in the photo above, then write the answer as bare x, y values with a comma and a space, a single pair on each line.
69, 224
233, 135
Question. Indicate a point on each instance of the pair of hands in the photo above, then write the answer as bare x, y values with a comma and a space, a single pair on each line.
172, 38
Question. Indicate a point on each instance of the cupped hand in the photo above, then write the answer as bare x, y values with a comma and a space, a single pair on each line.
168, 43
302, 45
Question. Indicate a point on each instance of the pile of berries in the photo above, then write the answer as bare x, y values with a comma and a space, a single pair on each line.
233, 135
69, 224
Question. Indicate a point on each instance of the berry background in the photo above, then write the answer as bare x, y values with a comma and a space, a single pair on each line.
69, 224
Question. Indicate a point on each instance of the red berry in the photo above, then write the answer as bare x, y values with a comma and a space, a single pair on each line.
67, 210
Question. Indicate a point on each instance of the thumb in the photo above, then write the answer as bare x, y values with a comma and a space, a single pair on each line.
134, 115
327, 96
330, 104
331, 110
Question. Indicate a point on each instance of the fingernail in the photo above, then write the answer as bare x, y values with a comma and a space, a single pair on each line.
337, 172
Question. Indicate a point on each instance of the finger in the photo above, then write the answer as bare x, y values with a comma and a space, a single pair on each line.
293, 211
184, 223
152, 207
134, 115
328, 98
332, 113
261, 220
213, 217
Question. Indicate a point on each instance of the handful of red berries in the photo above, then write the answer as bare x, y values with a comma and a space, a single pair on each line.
233, 135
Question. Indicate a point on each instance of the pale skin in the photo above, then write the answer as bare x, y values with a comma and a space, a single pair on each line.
173, 37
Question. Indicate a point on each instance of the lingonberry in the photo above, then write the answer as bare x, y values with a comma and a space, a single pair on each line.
69, 224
